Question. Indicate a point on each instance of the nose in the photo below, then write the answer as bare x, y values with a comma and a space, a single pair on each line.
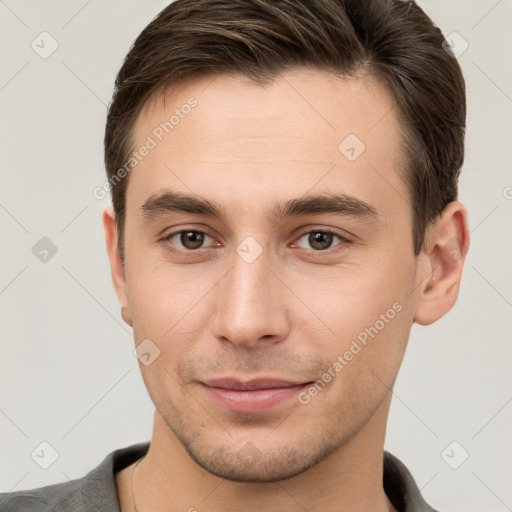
250, 305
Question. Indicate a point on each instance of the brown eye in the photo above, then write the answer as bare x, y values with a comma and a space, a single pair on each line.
319, 240
191, 239
187, 239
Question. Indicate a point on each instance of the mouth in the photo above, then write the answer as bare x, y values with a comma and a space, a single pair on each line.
257, 395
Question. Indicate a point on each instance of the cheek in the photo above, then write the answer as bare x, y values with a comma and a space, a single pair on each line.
369, 312
363, 365
163, 300
350, 300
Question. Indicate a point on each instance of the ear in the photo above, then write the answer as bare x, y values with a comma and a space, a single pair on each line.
116, 265
446, 246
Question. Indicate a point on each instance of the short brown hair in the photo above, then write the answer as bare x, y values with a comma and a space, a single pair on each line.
392, 40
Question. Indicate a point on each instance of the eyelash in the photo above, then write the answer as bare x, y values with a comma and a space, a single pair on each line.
342, 240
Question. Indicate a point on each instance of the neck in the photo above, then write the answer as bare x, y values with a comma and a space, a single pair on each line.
349, 479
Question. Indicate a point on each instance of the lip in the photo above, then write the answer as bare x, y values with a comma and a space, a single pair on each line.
257, 395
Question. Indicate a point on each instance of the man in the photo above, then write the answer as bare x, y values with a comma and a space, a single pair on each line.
284, 184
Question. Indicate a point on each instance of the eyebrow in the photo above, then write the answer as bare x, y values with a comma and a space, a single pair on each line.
328, 203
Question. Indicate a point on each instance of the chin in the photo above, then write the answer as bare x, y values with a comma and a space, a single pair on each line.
251, 465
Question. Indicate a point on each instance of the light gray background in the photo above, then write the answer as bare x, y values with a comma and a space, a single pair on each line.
68, 375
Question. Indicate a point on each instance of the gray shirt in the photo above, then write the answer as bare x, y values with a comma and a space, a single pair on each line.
96, 491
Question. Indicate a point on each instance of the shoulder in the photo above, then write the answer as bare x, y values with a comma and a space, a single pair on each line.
401, 488
92, 492
61, 496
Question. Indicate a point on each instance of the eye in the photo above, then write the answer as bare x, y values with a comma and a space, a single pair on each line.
320, 240
189, 239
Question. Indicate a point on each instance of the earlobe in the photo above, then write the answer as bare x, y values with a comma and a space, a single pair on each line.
125, 315
117, 269
444, 255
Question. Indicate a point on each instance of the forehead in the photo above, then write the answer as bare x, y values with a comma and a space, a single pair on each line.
304, 102
239, 140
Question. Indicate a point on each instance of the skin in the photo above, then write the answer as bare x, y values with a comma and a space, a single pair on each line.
289, 313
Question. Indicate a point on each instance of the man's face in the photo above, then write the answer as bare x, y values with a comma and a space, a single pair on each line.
266, 291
